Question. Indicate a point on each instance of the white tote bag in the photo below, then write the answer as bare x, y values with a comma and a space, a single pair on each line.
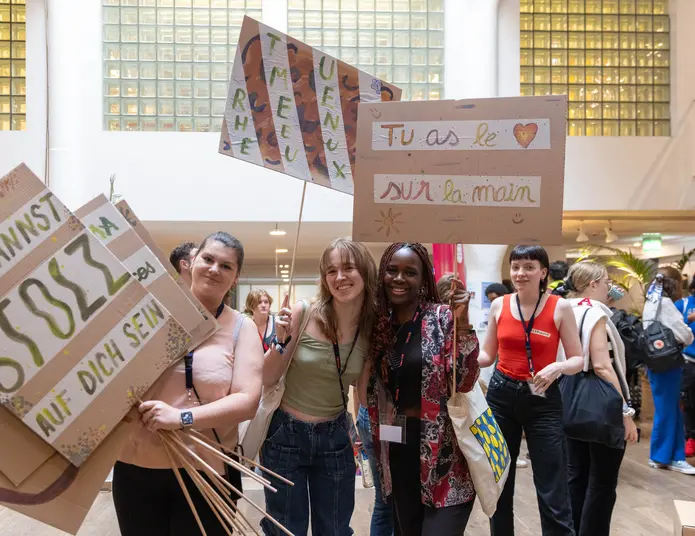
480, 440
252, 433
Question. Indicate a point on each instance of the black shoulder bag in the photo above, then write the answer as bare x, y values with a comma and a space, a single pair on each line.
232, 476
662, 350
592, 408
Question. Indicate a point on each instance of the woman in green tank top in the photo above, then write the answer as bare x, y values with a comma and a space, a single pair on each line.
308, 440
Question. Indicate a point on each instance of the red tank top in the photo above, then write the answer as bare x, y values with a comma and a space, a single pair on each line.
511, 340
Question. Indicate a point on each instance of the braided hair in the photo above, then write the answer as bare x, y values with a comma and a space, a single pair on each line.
382, 341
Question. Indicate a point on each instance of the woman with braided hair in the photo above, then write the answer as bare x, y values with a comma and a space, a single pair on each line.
406, 383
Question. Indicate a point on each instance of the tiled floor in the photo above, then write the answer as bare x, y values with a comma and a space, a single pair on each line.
645, 506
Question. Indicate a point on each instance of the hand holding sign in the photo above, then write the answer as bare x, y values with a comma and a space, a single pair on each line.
283, 321
157, 415
459, 300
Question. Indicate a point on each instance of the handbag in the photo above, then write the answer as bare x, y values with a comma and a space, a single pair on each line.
592, 408
662, 351
480, 439
252, 433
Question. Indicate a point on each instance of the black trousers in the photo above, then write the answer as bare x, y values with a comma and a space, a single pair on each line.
517, 411
688, 399
149, 502
593, 477
411, 517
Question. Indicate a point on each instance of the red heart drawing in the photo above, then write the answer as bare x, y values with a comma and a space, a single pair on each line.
525, 134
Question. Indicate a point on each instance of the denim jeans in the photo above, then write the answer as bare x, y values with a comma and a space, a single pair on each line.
593, 478
318, 459
517, 411
382, 517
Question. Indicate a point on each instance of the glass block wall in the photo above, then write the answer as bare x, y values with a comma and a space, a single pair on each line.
167, 62
13, 69
611, 57
400, 41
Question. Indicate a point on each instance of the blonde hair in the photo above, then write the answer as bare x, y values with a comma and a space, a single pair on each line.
254, 298
581, 275
351, 253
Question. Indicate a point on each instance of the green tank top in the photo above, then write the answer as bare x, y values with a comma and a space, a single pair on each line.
312, 385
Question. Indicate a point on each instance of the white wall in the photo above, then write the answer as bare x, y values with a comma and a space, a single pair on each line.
172, 176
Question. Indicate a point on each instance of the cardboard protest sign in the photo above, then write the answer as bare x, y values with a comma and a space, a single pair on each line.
58, 493
293, 108
109, 226
81, 338
484, 171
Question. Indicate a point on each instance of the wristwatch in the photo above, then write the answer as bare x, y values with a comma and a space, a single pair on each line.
628, 411
186, 419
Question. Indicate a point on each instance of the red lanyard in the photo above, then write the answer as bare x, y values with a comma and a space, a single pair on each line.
396, 363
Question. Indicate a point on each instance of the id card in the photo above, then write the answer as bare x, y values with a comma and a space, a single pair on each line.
394, 432
534, 390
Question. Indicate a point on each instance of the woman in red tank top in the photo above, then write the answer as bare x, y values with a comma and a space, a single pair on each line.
524, 332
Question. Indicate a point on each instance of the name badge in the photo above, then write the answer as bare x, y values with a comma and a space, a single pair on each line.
392, 434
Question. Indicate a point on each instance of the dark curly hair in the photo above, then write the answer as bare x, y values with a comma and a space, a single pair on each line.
382, 342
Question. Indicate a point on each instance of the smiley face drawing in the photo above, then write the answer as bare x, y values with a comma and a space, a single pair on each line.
518, 218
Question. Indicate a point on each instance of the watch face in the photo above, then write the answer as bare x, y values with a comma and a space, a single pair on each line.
187, 418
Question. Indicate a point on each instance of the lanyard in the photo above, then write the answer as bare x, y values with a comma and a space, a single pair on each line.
338, 364
188, 362
528, 328
396, 363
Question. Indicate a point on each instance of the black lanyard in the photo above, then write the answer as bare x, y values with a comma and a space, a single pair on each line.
528, 328
338, 365
188, 362
397, 363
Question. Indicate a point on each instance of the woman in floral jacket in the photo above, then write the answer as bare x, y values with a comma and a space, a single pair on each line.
406, 386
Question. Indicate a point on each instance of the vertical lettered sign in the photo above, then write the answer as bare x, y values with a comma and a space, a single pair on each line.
80, 338
293, 109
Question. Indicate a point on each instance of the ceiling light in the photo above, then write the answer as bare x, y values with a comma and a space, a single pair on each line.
278, 232
637, 244
281, 250
610, 235
582, 236
284, 271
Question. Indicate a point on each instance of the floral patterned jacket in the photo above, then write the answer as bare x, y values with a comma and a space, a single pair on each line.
444, 476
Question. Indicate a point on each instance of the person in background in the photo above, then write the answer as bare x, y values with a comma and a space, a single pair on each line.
558, 272
407, 380
181, 258
524, 333
382, 515
308, 440
667, 447
508, 285
227, 372
593, 468
258, 303
686, 306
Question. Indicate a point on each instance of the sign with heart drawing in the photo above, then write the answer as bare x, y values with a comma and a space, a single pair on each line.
483, 171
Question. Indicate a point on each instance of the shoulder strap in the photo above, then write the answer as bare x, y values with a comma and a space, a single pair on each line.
304, 320
237, 329
581, 339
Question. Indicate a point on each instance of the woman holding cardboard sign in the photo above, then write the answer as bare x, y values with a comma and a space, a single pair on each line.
212, 390
525, 330
406, 385
309, 438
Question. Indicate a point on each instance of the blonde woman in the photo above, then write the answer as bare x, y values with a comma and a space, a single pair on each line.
593, 468
308, 440
258, 303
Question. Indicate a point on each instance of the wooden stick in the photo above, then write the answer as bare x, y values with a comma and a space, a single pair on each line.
296, 241
175, 468
197, 458
233, 463
241, 457
454, 352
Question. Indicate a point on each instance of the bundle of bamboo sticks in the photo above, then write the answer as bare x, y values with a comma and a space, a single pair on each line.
183, 458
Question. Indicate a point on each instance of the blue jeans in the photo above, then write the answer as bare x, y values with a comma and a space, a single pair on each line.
317, 458
517, 411
382, 517
668, 434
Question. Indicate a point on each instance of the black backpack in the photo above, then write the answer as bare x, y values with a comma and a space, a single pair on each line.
663, 351
629, 327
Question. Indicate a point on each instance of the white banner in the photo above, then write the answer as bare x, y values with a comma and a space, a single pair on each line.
493, 135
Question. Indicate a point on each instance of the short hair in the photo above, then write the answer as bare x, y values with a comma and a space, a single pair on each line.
497, 288
444, 287
558, 270
532, 253
582, 274
254, 298
182, 251
228, 241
